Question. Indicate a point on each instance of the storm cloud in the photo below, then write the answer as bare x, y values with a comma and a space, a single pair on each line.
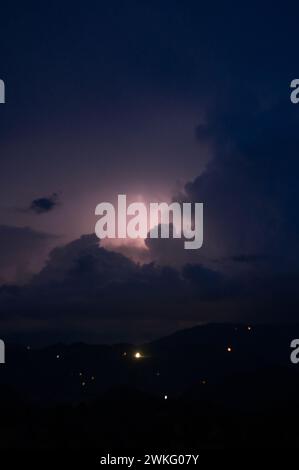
43, 205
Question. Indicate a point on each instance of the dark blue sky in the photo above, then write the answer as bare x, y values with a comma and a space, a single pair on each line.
105, 98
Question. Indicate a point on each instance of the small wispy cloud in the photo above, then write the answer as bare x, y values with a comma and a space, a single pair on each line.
44, 204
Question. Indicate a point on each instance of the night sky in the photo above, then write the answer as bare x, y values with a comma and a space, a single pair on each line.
184, 101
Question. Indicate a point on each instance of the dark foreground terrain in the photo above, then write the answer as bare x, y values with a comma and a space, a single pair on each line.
210, 387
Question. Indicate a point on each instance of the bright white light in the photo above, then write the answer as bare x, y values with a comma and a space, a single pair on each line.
137, 355
165, 397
